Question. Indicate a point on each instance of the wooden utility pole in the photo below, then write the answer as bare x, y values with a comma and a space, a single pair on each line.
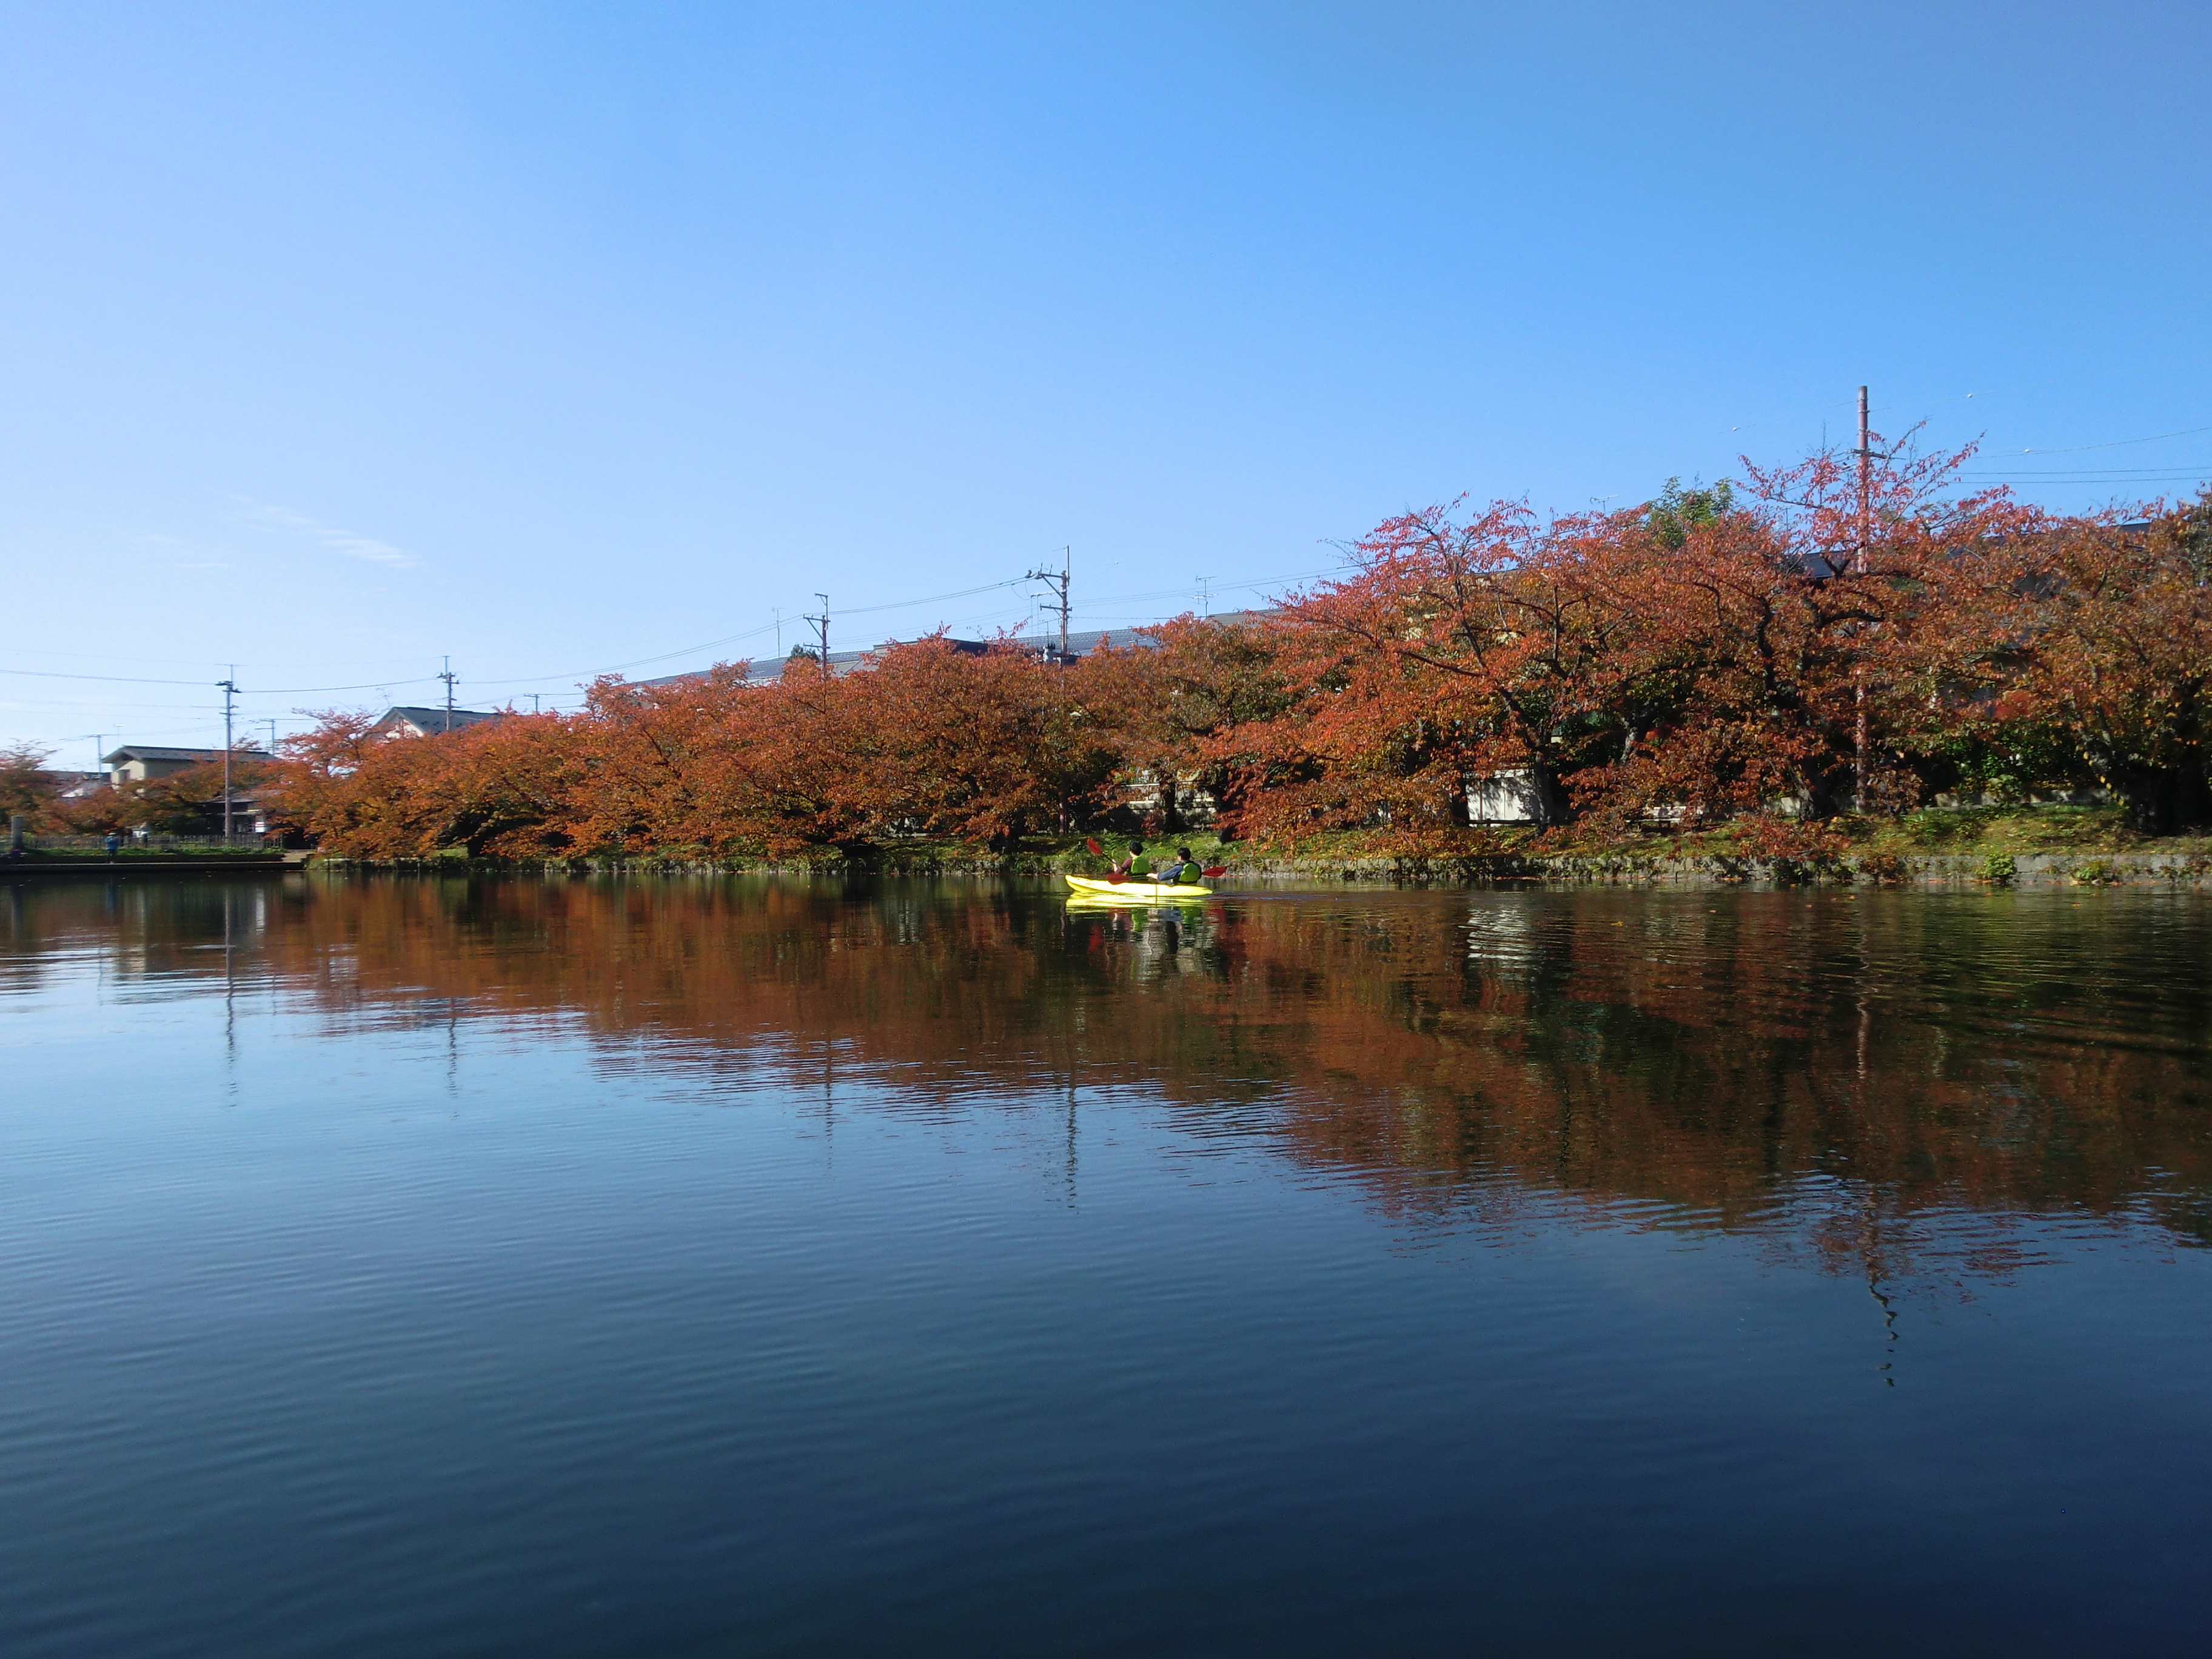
229, 690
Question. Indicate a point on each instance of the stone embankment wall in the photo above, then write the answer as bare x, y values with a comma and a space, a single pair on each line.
1929, 870
2140, 870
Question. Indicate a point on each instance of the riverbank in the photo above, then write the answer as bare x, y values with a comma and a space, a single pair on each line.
2026, 846
42, 864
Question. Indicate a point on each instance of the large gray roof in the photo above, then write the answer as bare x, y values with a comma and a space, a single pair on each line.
1080, 644
435, 719
151, 751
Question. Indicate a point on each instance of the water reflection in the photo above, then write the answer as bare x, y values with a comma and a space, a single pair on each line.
1887, 1083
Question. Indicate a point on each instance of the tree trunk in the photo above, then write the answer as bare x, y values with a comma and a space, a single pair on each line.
1552, 807
2165, 800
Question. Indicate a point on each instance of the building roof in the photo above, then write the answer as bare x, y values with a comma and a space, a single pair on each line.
1080, 644
153, 752
436, 720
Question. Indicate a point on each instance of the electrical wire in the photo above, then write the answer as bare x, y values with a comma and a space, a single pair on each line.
2121, 443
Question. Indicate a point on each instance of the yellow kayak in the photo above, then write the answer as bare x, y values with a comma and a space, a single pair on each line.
1136, 892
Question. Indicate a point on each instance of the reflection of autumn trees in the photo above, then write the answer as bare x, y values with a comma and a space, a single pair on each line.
1827, 1067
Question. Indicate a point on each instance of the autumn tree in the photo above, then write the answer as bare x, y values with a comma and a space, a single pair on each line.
2088, 642
983, 746
25, 785
1182, 702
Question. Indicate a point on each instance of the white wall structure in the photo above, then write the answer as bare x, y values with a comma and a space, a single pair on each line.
1504, 798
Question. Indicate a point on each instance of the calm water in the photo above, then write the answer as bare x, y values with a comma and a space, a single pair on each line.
668, 1267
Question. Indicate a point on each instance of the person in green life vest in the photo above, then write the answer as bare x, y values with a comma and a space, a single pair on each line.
1136, 867
1185, 869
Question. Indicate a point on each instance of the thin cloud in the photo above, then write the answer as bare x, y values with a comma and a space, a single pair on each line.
339, 541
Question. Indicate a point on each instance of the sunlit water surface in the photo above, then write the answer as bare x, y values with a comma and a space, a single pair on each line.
720, 1266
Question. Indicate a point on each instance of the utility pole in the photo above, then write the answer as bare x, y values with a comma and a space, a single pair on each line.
778, 610
1859, 568
533, 703
1206, 596
1057, 581
229, 690
822, 626
272, 736
448, 677
1866, 485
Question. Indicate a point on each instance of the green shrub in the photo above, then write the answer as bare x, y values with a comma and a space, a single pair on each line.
2096, 873
1998, 869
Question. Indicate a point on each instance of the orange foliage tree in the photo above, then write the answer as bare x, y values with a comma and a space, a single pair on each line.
1832, 637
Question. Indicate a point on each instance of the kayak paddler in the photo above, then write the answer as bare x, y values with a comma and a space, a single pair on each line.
1136, 867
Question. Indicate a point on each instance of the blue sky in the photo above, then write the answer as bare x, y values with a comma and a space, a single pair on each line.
557, 338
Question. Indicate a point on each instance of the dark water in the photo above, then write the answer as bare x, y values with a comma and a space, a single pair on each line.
414, 1267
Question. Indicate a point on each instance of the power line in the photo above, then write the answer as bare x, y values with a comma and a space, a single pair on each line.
2122, 443
105, 679
2147, 475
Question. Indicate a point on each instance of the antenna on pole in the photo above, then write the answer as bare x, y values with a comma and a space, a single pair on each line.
229, 690
1057, 581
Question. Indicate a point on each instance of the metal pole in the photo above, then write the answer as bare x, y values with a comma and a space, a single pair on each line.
1057, 581
1866, 486
822, 620
1859, 567
229, 691
448, 677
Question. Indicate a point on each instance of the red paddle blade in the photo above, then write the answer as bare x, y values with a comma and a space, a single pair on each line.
1116, 878
1218, 870
1091, 842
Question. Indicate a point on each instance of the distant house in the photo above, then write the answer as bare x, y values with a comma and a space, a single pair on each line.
139, 763
428, 722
